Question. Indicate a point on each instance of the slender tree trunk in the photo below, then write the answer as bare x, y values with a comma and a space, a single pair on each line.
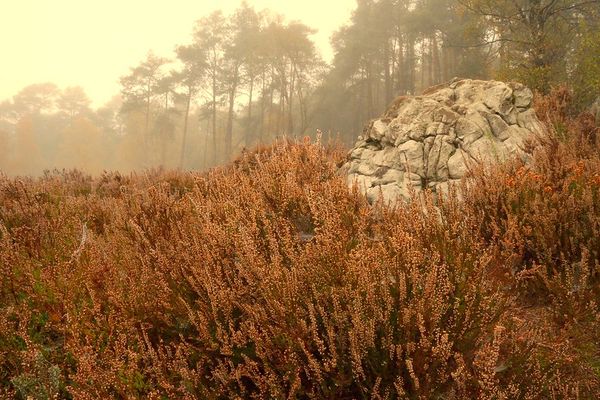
455, 59
435, 58
263, 99
359, 115
249, 123
147, 116
377, 97
270, 124
387, 73
410, 47
282, 96
394, 67
163, 139
206, 135
445, 62
185, 127
229, 132
401, 70
291, 99
503, 54
301, 104
147, 121
370, 111
214, 116
423, 67
430, 68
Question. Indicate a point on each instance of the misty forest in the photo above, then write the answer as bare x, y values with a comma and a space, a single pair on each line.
250, 77
415, 217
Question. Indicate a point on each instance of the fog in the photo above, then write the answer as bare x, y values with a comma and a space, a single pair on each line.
188, 84
92, 44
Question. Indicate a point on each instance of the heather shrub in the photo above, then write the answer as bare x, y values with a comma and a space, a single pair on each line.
269, 278
544, 218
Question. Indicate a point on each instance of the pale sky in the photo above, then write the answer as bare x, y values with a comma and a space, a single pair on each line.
91, 43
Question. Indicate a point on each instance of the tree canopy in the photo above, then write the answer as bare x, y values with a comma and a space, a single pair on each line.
246, 78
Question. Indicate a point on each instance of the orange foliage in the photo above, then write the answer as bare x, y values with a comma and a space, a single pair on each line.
269, 278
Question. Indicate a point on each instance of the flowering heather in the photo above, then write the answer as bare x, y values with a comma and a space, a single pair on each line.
269, 278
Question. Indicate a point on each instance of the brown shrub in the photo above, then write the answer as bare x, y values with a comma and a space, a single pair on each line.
270, 279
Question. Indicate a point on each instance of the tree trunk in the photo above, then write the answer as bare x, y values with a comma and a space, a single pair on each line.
370, 111
400, 69
147, 116
291, 99
387, 75
229, 131
147, 121
263, 99
249, 123
185, 127
206, 135
445, 63
282, 97
302, 105
214, 114
270, 125
423, 67
435, 58
410, 48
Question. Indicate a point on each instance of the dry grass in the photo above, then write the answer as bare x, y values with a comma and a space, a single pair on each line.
270, 279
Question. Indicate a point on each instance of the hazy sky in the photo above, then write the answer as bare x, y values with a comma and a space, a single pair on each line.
92, 43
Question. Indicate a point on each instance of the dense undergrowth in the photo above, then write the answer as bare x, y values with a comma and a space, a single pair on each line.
269, 278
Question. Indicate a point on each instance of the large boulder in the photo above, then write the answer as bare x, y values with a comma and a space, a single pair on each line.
430, 141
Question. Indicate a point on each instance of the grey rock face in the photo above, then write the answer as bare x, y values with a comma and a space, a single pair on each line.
431, 141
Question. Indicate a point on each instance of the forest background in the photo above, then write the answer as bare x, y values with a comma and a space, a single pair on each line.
246, 78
